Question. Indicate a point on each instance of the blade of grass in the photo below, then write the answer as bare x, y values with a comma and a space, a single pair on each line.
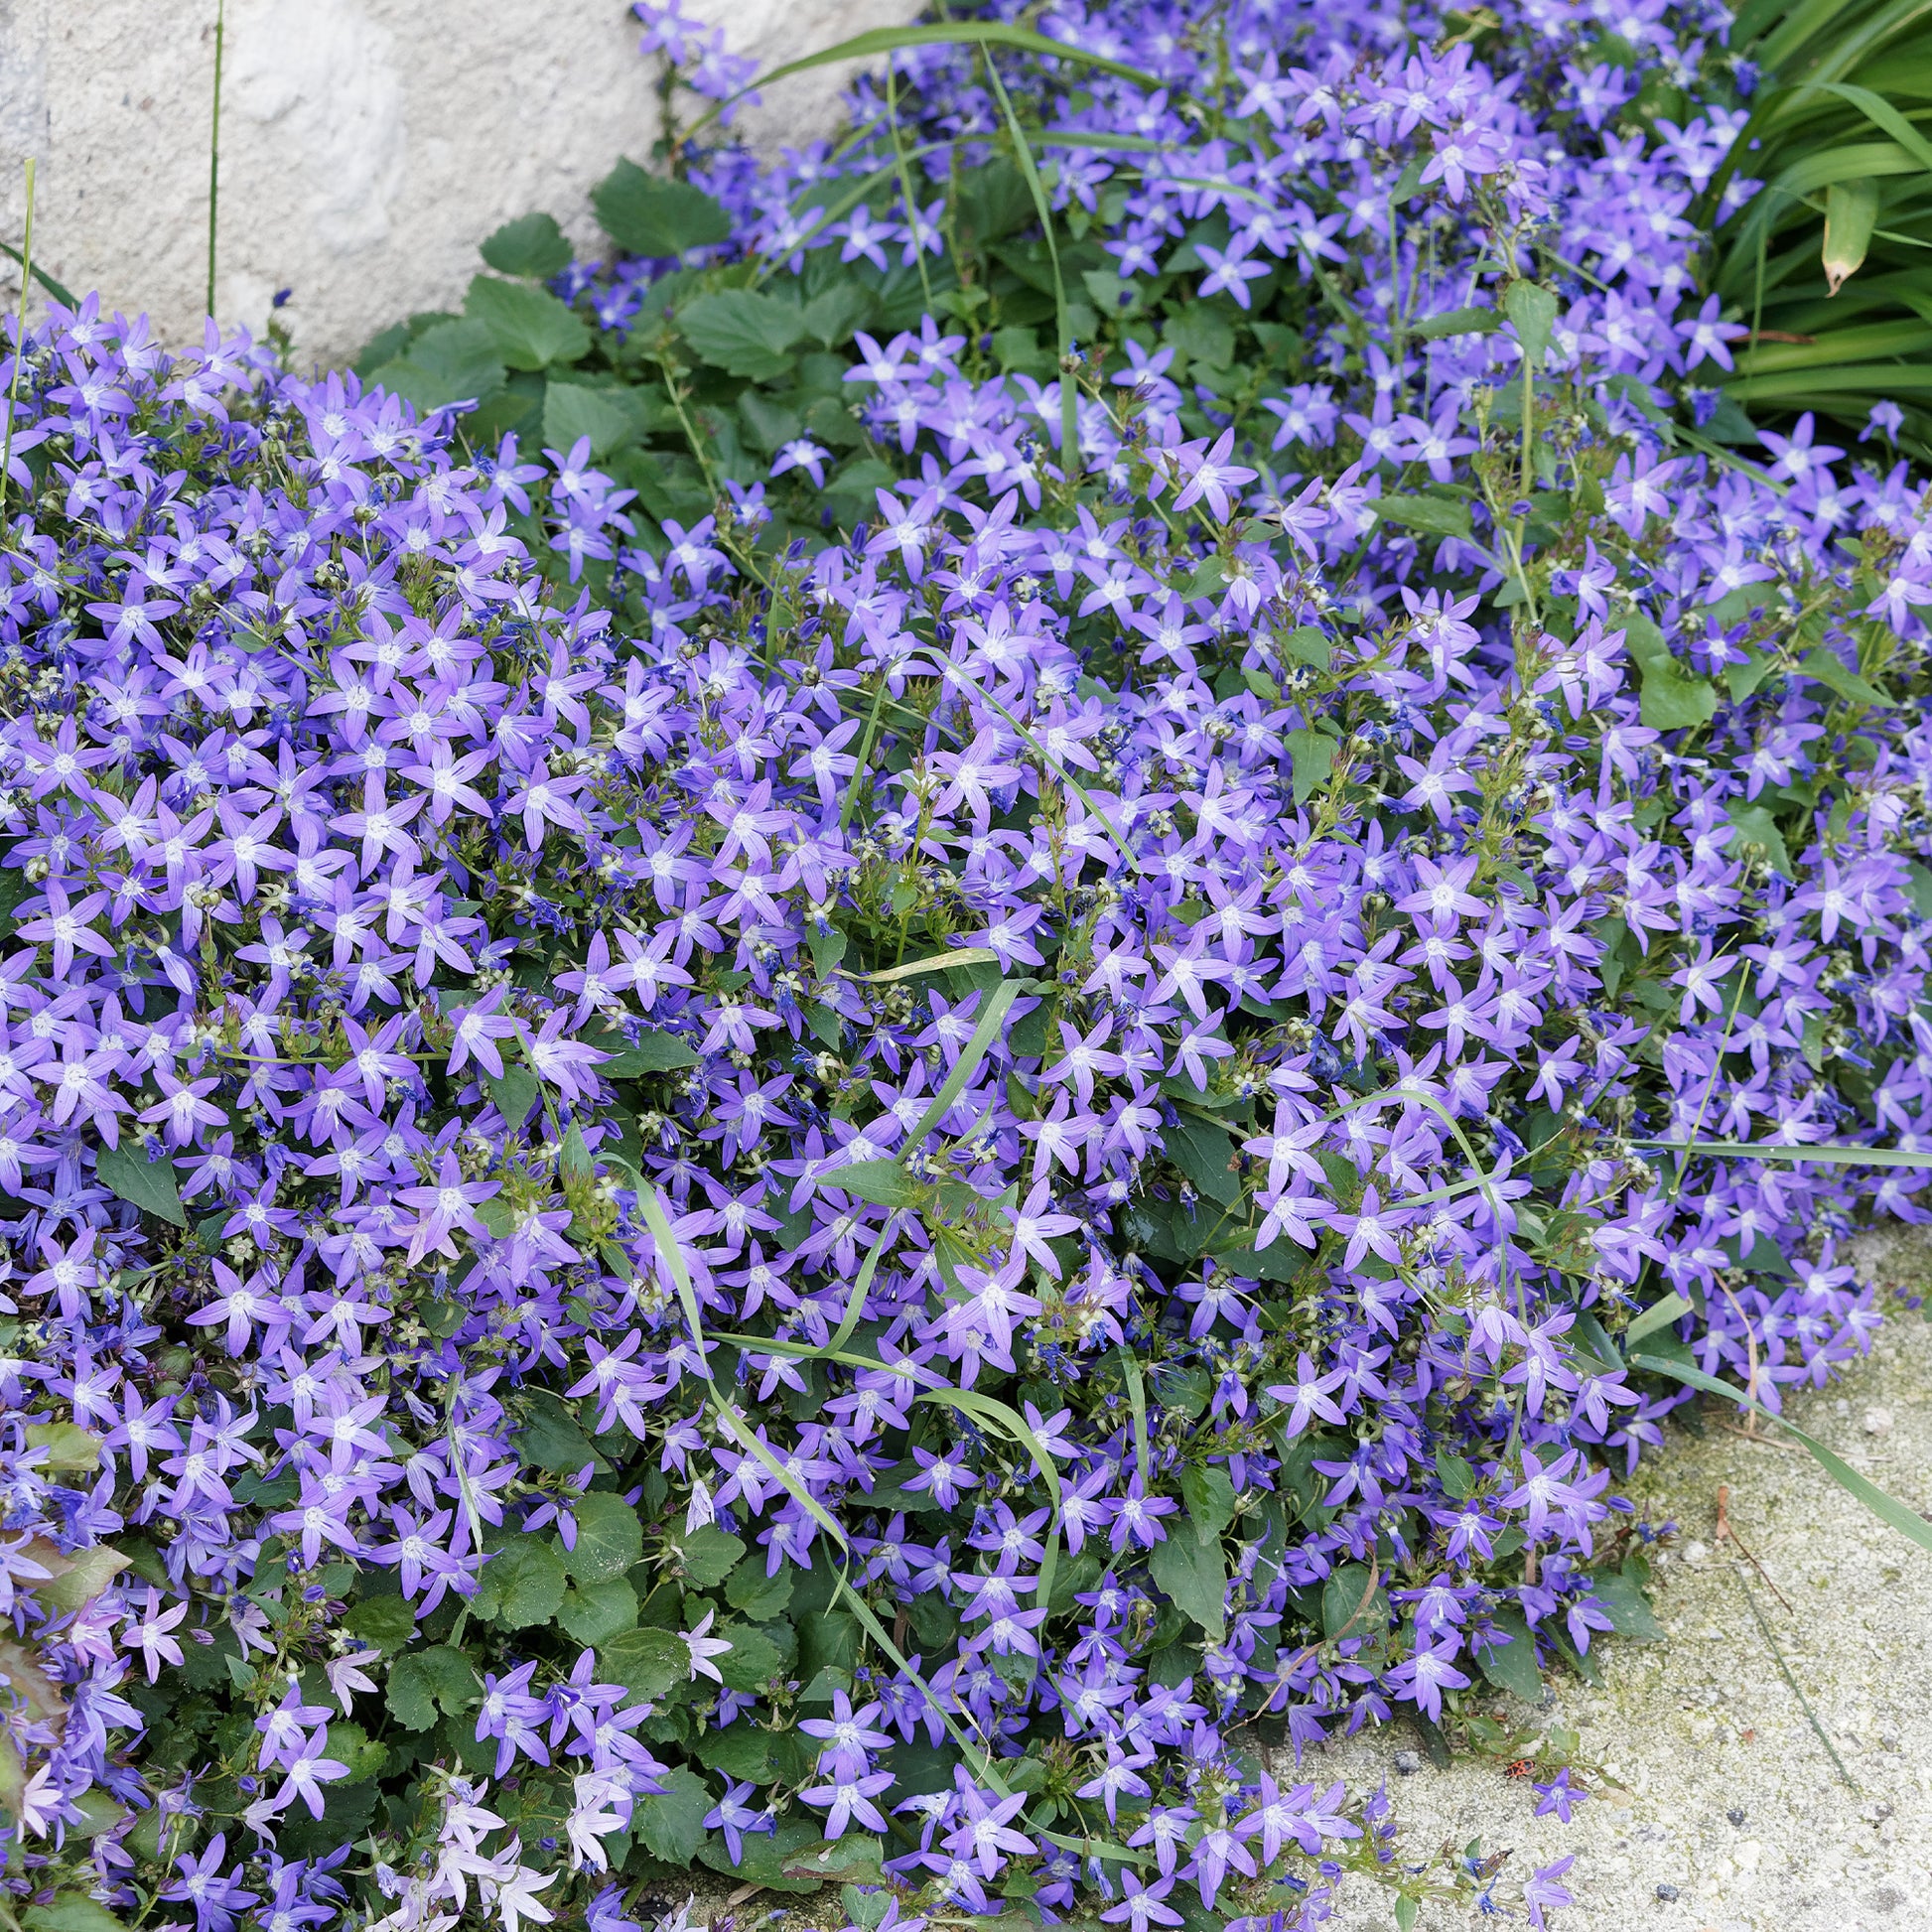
1070, 393
864, 753
1883, 116
20, 342
57, 289
1791, 1683
215, 150
905, 184
1137, 1398
1659, 1314
1830, 1154
960, 956
962, 33
963, 1068
1887, 1508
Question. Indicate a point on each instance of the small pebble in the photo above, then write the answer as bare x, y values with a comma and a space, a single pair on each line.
1735, 1814
1406, 1764
1877, 1422
1668, 1893
1696, 1552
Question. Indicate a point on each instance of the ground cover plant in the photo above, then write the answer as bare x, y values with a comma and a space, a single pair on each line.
983, 1008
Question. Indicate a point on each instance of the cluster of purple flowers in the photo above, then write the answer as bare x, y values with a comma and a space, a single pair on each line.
900, 1183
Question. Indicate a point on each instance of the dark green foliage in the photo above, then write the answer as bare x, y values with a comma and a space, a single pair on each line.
646, 214
533, 246
1838, 136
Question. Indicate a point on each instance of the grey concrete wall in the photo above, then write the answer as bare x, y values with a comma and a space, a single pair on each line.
366, 145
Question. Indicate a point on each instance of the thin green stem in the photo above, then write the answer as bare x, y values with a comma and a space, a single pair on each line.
20, 340
1784, 1671
905, 184
865, 752
1069, 394
214, 149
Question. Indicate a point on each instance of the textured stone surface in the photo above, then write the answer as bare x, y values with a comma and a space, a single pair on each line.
1704, 1723
367, 145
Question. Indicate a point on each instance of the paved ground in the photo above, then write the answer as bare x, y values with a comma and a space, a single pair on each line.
1705, 1724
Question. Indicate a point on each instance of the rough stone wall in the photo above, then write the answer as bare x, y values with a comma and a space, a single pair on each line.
366, 145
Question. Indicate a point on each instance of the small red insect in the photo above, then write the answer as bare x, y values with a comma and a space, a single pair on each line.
1521, 1768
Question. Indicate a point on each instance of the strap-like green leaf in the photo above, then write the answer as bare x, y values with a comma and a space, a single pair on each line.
1887, 1508
1830, 1154
961, 33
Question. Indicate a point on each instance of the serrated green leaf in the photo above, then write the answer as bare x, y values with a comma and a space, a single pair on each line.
709, 1554
1628, 1607
647, 214
654, 1053
646, 1662
550, 1438
671, 1824
515, 1093
1755, 826
1443, 517
1306, 643
532, 246
1512, 1666
529, 1583
1532, 312
1202, 1152
610, 1538
753, 1660
611, 418
759, 1597
883, 1182
743, 331
1675, 700
763, 1856
149, 1184
1826, 666
1200, 334
529, 327
739, 1752
1353, 1603
87, 1574
385, 1622
1458, 1478
832, 317
1313, 754
1210, 1495
422, 1682
1191, 1570
1457, 322
71, 1911
450, 362
597, 1612
68, 1445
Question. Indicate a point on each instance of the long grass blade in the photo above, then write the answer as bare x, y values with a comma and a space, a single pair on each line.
963, 1068
1887, 1508
26, 261
57, 289
1136, 1399
1790, 1682
1829, 1153
962, 33
1070, 393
